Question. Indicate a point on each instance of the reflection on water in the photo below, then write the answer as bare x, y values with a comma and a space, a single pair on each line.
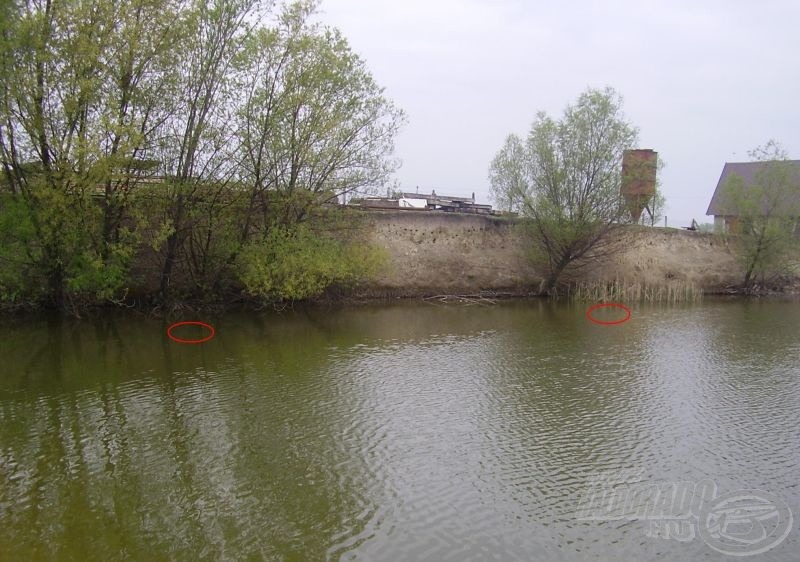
406, 432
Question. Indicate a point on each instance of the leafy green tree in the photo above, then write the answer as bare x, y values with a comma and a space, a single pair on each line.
767, 211
565, 177
659, 203
82, 88
195, 153
187, 127
315, 126
508, 175
297, 121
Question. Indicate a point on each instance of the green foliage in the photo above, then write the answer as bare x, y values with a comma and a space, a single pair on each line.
766, 211
566, 178
508, 175
93, 277
19, 279
653, 213
313, 121
182, 131
215, 238
51, 234
297, 263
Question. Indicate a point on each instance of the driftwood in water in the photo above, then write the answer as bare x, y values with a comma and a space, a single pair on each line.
468, 300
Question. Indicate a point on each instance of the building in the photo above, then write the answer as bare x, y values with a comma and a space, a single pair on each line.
428, 202
725, 214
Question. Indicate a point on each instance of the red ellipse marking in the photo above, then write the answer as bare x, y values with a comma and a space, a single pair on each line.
190, 323
608, 305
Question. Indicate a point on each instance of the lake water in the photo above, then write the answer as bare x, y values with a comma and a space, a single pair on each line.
401, 432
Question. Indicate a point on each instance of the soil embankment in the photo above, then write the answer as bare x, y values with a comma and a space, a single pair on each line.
442, 253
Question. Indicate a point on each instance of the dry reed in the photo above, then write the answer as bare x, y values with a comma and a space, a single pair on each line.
676, 291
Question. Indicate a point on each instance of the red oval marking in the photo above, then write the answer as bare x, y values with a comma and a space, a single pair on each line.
191, 323
608, 305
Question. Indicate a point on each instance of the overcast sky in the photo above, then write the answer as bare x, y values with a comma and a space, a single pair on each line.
705, 81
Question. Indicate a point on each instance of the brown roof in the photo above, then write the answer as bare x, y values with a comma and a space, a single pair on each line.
747, 170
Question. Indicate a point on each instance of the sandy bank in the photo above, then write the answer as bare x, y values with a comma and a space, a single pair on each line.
442, 253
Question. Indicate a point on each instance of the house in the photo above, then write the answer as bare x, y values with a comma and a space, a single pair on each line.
725, 213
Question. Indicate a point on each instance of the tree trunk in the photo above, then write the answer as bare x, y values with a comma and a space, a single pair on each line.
172, 252
166, 271
748, 276
56, 284
550, 282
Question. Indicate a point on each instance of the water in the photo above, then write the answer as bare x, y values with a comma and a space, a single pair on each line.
403, 432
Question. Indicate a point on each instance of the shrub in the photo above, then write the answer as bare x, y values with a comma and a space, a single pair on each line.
297, 263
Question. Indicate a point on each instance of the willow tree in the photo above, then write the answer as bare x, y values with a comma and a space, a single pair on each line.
83, 90
232, 109
196, 149
566, 177
315, 125
767, 209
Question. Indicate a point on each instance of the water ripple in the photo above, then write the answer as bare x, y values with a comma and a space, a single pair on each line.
401, 434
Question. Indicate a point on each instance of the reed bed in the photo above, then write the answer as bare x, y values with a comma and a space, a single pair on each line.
625, 291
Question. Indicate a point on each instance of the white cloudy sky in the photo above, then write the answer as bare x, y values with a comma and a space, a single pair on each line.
704, 80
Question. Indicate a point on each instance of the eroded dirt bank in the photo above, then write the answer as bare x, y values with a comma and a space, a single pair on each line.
442, 253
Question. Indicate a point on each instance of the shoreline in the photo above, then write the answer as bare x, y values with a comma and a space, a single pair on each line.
487, 298
475, 256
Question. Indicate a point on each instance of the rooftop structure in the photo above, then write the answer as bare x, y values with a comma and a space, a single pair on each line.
428, 202
725, 212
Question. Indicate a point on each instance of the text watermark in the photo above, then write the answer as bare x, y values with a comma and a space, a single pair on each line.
738, 523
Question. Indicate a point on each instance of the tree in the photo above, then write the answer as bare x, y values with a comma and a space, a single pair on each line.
277, 121
315, 126
767, 211
196, 153
658, 206
192, 126
82, 88
509, 175
566, 179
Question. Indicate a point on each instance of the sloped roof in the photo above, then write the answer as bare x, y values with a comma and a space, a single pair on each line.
747, 170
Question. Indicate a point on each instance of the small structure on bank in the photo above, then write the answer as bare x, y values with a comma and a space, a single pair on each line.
639, 181
428, 202
725, 213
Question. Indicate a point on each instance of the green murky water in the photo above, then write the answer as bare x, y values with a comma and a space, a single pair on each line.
403, 432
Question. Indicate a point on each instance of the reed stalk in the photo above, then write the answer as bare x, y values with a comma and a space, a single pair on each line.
675, 291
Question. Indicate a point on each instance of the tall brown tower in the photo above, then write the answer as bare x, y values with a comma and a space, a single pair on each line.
639, 180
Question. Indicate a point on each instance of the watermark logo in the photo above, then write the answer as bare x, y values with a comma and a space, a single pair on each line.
738, 523
745, 522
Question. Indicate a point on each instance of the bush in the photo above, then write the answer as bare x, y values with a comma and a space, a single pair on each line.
50, 248
20, 281
297, 263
